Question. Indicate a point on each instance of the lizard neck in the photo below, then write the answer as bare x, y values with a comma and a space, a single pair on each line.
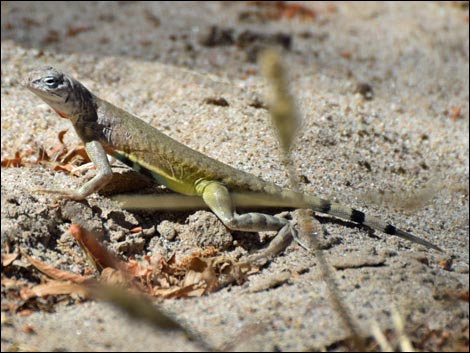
83, 107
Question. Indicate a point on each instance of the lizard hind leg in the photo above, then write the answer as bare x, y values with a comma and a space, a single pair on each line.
219, 200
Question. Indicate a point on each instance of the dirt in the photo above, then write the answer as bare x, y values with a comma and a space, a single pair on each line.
383, 92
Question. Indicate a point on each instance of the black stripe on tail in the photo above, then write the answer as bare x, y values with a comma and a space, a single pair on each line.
357, 216
389, 229
325, 207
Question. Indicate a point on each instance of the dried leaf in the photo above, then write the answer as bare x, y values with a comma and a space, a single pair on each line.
53, 272
17, 161
455, 113
28, 329
25, 312
61, 135
59, 153
197, 264
7, 259
138, 270
176, 292
10, 282
98, 256
290, 11
192, 278
64, 168
42, 155
114, 277
26, 293
56, 288
78, 152
72, 31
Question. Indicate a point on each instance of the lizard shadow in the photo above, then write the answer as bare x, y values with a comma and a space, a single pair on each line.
348, 224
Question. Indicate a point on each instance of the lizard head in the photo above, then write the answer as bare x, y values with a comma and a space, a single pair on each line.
64, 94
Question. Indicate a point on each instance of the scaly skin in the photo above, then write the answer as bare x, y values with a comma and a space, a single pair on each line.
105, 128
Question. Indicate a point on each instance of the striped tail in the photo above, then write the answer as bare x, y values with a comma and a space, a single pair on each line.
336, 210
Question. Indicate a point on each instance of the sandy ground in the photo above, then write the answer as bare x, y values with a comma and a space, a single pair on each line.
383, 91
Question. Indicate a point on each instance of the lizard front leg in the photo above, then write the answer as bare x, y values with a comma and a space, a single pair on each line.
98, 156
219, 200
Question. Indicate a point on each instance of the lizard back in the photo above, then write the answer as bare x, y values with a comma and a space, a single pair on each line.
152, 153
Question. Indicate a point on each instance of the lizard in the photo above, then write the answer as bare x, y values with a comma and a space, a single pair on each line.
107, 129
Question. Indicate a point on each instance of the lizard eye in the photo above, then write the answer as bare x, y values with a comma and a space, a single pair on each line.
51, 82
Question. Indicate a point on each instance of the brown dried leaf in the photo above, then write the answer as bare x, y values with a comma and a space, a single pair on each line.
208, 271
26, 293
455, 113
209, 276
56, 288
98, 256
138, 270
7, 259
78, 152
42, 155
290, 11
277, 10
177, 292
136, 230
208, 252
197, 264
64, 168
25, 312
192, 278
28, 329
16, 161
53, 272
10, 282
114, 277
72, 31
61, 135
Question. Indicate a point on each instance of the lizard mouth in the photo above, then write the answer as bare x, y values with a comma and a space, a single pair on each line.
62, 115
